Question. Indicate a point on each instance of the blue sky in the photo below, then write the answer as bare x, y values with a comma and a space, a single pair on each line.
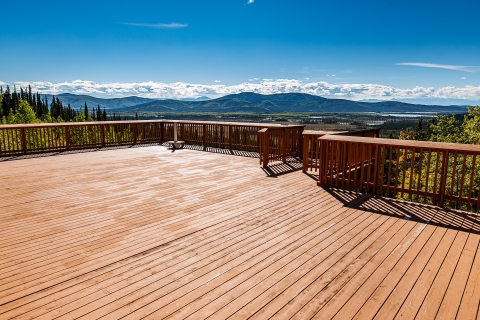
427, 50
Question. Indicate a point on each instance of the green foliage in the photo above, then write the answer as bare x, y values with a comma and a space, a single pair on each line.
25, 114
447, 129
417, 172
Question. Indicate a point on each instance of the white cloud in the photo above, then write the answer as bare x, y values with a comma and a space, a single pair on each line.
173, 25
177, 90
440, 66
463, 78
217, 81
250, 1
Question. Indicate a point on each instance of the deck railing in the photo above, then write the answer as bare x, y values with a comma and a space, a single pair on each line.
443, 174
311, 144
276, 144
35, 138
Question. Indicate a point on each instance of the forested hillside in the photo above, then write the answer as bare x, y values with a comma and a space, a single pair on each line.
27, 107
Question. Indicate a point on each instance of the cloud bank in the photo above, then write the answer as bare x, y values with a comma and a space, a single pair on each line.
440, 66
173, 25
179, 90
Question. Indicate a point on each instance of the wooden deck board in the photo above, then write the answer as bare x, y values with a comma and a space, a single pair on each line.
146, 232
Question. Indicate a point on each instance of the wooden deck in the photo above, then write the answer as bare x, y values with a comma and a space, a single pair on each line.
147, 232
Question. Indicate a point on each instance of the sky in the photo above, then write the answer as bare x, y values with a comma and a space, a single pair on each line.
426, 51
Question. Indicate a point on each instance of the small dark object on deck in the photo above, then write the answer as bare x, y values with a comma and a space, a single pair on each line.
176, 144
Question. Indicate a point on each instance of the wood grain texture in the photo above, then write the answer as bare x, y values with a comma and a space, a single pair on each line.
151, 233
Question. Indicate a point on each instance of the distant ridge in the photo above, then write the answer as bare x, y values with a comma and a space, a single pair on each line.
256, 103
76, 101
286, 102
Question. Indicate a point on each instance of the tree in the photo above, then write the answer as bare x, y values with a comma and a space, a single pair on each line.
25, 113
86, 111
99, 114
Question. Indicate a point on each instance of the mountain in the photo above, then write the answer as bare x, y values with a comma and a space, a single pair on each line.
285, 102
253, 103
202, 98
76, 101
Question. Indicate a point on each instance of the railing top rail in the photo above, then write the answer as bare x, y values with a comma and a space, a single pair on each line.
409, 144
357, 132
321, 133
73, 124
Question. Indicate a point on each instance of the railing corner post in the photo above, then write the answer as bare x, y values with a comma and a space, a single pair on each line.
300, 141
304, 152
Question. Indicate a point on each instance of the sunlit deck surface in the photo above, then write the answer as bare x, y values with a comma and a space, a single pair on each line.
147, 232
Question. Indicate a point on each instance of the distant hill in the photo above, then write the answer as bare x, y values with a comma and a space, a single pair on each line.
285, 102
76, 101
253, 103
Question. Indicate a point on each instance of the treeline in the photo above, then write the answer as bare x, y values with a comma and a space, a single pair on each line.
445, 128
27, 107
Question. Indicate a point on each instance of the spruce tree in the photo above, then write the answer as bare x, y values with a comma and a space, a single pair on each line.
99, 113
85, 110
104, 115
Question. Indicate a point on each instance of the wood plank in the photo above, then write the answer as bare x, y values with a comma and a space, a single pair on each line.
471, 296
456, 288
144, 232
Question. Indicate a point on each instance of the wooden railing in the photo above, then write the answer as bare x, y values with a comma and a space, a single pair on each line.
276, 144
35, 138
443, 174
311, 144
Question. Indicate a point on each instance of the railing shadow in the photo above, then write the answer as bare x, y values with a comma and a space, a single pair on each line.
73, 151
276, 169
240, 153
445, 218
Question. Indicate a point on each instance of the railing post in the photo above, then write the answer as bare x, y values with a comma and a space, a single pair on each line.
300, 144
321, 155
204, 136
230, 131
306, 139
443, 179
134, 133
266, 151
376, 168
23, 140
162, 132
67, 137
283, 141
102, 134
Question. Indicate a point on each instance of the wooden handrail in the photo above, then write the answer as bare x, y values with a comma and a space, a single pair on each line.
278, 143
443, 174
47, 137
311, 147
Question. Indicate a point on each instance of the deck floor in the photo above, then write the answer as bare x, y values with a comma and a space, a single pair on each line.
150, 233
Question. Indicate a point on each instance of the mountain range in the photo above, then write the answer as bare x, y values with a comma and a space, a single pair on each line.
254, 103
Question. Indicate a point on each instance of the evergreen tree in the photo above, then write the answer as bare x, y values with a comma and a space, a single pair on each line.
99, 113
85, 111
136, 116
104, 115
